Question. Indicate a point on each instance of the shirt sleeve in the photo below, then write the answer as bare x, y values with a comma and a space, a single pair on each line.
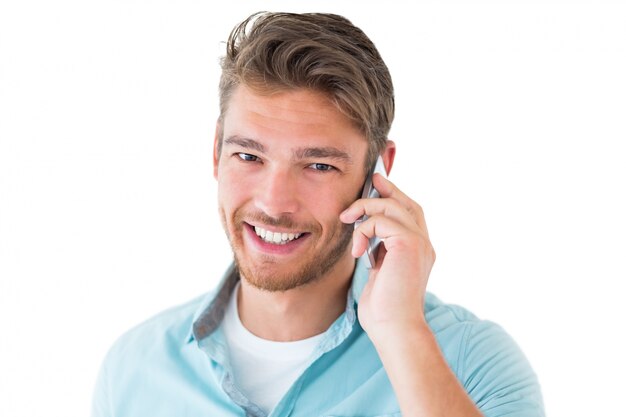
497, 375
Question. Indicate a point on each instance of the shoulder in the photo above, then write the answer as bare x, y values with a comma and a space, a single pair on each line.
171, 325
451, 321
452, 325
441, 316
157, 343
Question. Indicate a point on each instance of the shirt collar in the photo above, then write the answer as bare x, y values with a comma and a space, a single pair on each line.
359, 279
211, 311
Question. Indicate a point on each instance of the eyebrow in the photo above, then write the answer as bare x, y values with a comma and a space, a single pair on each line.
329, 152
245, 143
323, 152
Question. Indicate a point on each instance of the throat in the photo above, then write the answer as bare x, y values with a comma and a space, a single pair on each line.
296, 314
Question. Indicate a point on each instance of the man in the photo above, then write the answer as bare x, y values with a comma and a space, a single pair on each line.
298, 327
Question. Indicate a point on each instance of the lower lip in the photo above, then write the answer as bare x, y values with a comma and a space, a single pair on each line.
270, 248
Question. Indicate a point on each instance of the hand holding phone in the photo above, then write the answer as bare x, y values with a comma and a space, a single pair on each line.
370, 192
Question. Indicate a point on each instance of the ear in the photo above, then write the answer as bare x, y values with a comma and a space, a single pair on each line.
389, 155
216, 157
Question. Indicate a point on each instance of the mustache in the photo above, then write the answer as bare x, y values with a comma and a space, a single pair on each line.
286, 222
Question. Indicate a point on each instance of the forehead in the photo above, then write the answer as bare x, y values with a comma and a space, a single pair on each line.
293, 118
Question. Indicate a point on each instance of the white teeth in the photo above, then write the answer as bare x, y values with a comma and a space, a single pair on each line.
275, 237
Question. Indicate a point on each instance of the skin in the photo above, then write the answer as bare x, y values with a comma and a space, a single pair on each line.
272, 174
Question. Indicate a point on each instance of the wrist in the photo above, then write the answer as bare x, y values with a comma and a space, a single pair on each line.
389, 336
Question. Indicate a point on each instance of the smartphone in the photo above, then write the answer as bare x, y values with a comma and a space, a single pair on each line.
369, 257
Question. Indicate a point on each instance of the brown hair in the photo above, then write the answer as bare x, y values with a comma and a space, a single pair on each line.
272, 52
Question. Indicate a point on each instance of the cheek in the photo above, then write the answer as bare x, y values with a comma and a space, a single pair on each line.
232, 189
328, 203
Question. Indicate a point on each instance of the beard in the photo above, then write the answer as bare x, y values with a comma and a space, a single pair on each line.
266, 271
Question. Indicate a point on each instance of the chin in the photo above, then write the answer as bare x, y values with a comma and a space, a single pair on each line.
271, 276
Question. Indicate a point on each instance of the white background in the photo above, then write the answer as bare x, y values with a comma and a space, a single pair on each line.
510, 128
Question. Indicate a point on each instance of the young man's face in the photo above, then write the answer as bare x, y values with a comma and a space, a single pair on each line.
290, 164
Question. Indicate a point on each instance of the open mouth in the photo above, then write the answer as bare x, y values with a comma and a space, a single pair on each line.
276, 238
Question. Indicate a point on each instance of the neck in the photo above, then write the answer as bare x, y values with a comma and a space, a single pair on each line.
298, 313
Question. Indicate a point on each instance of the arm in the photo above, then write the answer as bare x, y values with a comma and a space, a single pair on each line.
421, 378
424, 384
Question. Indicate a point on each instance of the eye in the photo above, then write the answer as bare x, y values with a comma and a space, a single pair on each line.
247, 157
321, 167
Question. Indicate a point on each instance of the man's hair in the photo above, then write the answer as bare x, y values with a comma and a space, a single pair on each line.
276, 52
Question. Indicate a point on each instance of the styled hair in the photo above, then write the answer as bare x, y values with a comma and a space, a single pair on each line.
275, 52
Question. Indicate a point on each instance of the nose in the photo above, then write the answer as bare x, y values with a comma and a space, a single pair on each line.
278, 193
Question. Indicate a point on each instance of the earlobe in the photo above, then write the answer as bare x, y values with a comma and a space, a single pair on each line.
216, 156
389, 155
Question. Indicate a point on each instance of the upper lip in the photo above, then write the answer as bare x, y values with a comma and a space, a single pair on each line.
275, 230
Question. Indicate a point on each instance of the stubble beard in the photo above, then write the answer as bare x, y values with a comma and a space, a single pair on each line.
266, 273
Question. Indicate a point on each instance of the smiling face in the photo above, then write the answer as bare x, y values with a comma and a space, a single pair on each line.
289, 164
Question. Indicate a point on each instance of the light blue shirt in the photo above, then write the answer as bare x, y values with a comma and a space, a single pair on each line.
177, 364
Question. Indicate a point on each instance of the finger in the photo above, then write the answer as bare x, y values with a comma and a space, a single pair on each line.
393, 234
388, 189
414, 249
378, 206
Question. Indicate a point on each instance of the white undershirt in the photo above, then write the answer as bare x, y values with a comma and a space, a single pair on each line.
263, 369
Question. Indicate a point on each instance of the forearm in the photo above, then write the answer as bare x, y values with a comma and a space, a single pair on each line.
424, 384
